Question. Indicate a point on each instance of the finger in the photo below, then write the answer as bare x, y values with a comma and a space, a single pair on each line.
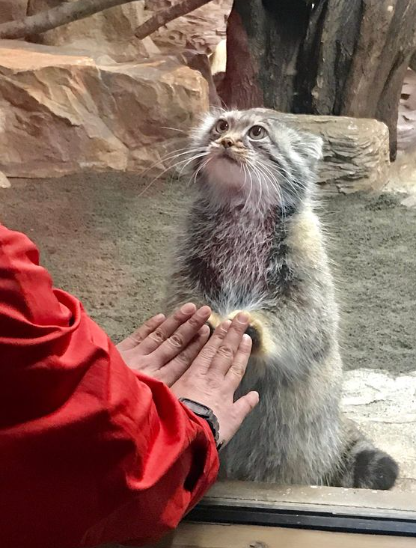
208, 353
245, 405
239, 365
177, 367
141, 333
228, 349
180, 339
241, 409
167, 328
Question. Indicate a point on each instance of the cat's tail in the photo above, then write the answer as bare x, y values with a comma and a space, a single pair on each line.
363, 466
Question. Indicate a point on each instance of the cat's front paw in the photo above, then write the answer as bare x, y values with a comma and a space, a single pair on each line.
255, 331
213, 322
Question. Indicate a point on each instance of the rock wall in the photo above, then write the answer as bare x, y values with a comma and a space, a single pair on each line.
110, 32
356, 151
91, 98
406, 129
62, 112
201, 30
12, 9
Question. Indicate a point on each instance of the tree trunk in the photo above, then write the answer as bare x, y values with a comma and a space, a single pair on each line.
262, 48
335, 57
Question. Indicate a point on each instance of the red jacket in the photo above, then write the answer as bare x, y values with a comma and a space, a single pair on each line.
90, 452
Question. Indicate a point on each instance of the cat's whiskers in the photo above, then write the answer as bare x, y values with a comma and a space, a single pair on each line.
270, 183
259, 178
187, 161
277, 172
176, 129
288, 178
200, 168
171, 167
247, 174
170, 156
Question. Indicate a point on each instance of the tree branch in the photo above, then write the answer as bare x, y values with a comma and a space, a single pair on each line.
55, 17
67, 13
163, 17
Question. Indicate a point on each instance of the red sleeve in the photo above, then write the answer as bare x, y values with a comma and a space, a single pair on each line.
91, 453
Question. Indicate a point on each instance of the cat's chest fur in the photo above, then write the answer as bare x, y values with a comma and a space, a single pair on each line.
231, 254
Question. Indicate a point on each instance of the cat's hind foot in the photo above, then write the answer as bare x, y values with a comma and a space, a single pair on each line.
367, 467
375, 469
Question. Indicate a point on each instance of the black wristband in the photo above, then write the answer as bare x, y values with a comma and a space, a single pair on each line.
207, 414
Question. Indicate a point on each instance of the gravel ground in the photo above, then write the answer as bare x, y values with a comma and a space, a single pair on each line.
107, 241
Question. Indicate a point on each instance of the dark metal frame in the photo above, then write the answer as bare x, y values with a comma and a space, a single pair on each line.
312, 520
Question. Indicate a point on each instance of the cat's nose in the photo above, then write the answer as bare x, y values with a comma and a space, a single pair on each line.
227, 142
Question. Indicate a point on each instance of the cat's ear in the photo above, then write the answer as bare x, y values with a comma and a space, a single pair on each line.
310, 147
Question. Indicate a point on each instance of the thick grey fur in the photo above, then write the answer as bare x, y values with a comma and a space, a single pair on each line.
252, 241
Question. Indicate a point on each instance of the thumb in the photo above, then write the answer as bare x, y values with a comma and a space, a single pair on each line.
241, 408
245, 405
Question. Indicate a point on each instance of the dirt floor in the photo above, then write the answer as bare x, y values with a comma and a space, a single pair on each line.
107, 241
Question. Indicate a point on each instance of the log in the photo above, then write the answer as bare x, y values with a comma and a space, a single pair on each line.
356, 152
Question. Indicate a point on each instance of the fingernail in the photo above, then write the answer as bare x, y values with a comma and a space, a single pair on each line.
246, 339
205, 311
204, 331
188, 308
226, 324
159, 317
243, 317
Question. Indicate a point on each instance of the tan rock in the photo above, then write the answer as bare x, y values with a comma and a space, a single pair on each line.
200, 62
201, 29
218, 59
110, 32
12, 9
4, 181
63, 113
356, 151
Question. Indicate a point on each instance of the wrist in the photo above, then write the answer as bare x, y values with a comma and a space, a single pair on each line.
204, 412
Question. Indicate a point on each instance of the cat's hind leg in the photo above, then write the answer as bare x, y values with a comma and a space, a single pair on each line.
363, 465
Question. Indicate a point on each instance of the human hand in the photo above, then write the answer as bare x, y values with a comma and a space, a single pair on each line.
165, 348
257, 330
216, 373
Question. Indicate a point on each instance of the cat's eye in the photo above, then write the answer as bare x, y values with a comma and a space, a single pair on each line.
221, 126
257, 132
